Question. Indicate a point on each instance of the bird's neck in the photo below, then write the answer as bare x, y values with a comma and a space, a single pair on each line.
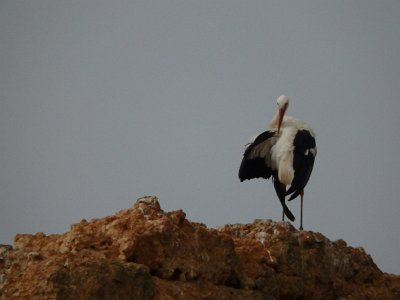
273, 124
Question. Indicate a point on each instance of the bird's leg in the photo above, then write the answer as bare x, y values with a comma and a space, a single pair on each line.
283, 215
301, 210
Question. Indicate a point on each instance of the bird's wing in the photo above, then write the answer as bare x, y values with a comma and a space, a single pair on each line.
256, 160
280, 192
303, 161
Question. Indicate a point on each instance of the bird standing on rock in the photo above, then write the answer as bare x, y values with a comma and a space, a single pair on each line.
286, 151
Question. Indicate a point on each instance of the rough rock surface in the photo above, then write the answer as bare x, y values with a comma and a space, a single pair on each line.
146, 253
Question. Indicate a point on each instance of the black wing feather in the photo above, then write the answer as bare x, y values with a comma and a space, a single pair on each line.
303, 162
255, 167
280, 190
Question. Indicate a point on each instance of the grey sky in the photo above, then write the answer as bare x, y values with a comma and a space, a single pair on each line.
106, 101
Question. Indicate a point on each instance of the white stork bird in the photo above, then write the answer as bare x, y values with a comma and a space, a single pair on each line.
286, 151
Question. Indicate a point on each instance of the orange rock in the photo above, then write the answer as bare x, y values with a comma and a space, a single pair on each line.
146, 253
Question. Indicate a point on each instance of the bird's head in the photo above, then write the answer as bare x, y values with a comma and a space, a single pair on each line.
283, 103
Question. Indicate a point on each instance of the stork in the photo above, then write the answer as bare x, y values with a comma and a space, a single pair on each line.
285, 152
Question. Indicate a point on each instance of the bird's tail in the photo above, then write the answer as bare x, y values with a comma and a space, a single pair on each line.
281, 192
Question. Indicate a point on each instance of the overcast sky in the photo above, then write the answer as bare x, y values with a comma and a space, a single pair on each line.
103, 102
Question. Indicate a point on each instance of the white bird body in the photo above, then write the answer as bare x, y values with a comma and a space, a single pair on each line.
282, 155
282, 151
286, 151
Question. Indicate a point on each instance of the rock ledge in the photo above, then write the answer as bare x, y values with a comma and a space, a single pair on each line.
146, 253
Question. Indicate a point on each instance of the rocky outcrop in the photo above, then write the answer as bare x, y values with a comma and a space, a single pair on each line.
146, 253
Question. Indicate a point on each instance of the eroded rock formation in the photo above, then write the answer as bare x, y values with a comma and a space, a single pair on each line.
146, 253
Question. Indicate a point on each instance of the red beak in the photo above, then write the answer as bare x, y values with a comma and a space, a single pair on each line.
281, 113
